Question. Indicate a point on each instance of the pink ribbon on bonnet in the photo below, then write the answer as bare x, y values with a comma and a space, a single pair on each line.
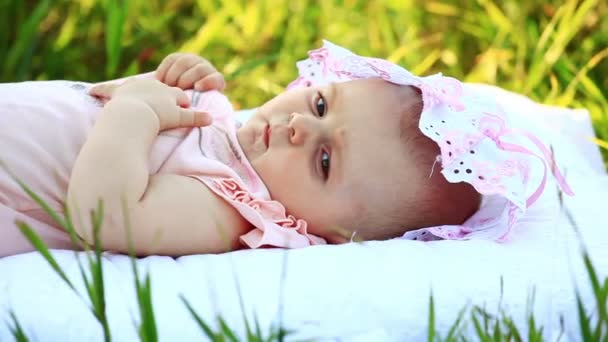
445, 99
547, 157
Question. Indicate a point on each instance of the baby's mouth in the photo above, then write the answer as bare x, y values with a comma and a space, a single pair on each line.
267, 136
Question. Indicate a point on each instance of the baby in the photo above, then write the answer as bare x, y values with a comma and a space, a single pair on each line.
356, 148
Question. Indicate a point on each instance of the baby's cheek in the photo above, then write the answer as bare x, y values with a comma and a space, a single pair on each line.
279, 170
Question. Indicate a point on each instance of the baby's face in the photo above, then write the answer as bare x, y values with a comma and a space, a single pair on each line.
330, 154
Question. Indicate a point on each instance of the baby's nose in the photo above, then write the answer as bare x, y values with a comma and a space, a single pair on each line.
300, 128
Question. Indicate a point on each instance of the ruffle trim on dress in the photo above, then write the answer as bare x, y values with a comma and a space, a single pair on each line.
272, 225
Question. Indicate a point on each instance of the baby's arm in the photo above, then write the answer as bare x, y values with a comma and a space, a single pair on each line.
169, 214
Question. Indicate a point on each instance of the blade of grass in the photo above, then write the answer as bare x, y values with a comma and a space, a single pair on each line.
568, 94
147, 329
45, 207
548, 32
562, 328
64, 223
431, 328
511, 328
600, 298
280, 333
92, 292
115, 24
26, 39
201, 323
251, 65
17, 329
534, 333
583, 319
454, 329
426, 63
249, 332
226, 331
482, 333
41, 247
258, 329
5, 33
210, 29
97, 293
569, 25
498, 335
496, 15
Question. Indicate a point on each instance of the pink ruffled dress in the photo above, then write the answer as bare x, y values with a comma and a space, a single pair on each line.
44, 124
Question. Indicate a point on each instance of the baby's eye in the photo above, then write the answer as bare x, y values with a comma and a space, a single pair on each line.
325, 159
321, 108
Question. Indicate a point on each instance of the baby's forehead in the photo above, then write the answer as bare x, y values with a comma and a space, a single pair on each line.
375, 86
376, 99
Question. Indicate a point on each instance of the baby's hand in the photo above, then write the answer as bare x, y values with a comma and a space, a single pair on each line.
187, 71
170, 104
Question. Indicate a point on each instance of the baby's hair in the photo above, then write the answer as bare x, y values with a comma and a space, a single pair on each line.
422, 201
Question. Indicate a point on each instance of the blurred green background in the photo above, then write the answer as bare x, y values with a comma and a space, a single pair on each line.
552, 51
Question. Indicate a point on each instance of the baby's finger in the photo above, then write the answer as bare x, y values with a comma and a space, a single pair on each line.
194, 74
181, 98
191, 118
163, 67
213, 81
180, 66
104, 90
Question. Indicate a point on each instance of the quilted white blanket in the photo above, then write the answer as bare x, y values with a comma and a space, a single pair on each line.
372, 291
